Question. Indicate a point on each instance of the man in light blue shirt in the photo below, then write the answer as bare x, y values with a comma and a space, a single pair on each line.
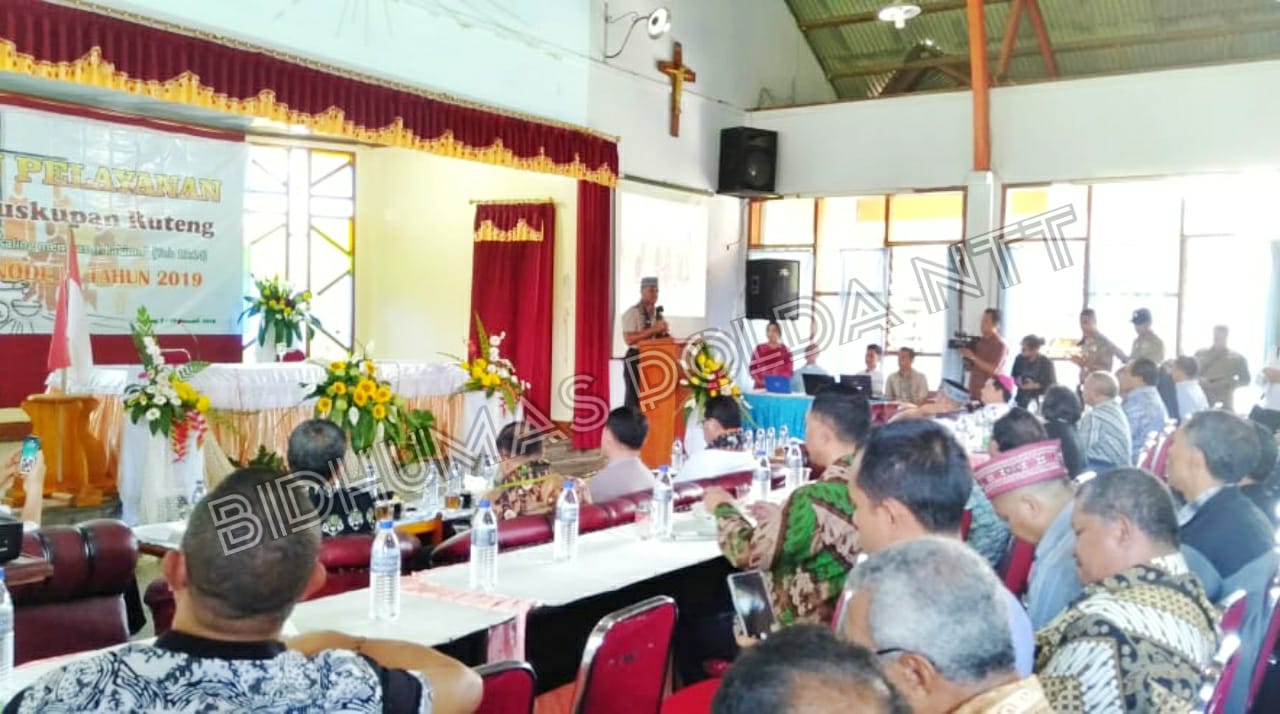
1030, 488
1191, 396
810, 367
1142, 405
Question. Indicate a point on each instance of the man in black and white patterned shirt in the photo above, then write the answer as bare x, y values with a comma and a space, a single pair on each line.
234, 585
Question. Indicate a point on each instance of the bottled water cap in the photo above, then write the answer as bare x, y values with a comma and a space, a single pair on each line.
484, 503
568, 484
664, 468
759, 452
384, 525
1, 574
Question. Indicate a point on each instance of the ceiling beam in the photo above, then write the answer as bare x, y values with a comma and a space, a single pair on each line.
858, 18
980, 80
1010, 39
1086, 45
1042, 38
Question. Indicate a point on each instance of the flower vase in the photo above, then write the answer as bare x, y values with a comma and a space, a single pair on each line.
694, 441
267, 352
150, 494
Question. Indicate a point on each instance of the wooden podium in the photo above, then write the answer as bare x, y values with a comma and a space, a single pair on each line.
74, 459
662, 397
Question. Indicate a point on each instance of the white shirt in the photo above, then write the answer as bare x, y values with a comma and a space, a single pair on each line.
715, 462
877, 381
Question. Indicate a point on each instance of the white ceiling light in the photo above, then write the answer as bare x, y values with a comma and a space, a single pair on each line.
898, 13
657, 24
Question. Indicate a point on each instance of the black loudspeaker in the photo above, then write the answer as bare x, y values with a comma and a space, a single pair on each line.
771, 284
748, 161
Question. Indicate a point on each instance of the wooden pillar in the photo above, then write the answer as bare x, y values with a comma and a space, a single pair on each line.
980, 80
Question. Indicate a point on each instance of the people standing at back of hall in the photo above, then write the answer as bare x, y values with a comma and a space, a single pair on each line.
1146, 344
1222, 370
1097, 353
986, 359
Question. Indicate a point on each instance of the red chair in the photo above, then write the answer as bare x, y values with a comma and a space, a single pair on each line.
693, 699
1213, 695
1017, 569
509, 688
966, 521
624, 664
1160, 462
1266, 652
1233, 611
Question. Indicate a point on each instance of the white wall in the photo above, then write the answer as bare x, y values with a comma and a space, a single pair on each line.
746, 53
1173, 122
414, 228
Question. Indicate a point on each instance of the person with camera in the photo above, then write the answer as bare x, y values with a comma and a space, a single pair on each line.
986, 357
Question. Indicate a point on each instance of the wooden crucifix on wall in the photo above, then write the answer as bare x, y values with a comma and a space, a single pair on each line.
679, 74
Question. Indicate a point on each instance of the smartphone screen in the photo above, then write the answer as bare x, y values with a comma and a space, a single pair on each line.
751, 603
30, 449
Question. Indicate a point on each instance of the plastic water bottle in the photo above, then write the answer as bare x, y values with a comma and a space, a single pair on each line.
565, 545
489, 470
771, 441
429, 501
784, 436
484, 548
6, 638
198, 493
677, 456
384, 574
664, 503
761, 443
748, 443
762, 480
795, 464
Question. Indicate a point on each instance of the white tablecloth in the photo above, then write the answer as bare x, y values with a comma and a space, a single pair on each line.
607, 560
423, 620
149, 478
252, 387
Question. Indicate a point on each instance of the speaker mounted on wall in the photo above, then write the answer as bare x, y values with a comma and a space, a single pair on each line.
748, 162
771, 284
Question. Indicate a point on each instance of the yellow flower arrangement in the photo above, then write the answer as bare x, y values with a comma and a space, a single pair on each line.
286, 313
706, 377
366, 408
488, 371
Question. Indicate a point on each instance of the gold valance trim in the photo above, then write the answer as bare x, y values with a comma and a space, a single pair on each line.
522, 233
94, 71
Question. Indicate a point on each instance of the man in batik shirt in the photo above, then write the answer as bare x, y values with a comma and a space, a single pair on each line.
526, 484
807, 545
1143, 633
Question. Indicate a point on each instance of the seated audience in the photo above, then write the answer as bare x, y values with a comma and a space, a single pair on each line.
224, 652
1030, 488
1017, 428
937, 617
907, 384
1191, 397
1143, 633
725, 451
913, 481
1032, 371
874, 354
810, 367
1210, 454
317, 449
1142, 405
32, 486
1104, 429
808, 545
995, 399
1262, 485
620, 442
526, 484
772, 358
1061, 411
806, 670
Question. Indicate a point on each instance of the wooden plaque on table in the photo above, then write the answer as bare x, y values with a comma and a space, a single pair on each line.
662, 397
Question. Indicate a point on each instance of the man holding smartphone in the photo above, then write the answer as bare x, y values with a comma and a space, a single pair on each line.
808, 544
28, 465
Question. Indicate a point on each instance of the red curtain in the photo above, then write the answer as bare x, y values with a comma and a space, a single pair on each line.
511, 288
594, 326
65, 44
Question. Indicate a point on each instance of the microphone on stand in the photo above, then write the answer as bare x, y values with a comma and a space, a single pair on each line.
658, 316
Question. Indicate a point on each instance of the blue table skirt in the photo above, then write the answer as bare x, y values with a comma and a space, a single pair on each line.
775, 410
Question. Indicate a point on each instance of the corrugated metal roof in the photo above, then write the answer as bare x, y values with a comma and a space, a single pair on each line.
862, 55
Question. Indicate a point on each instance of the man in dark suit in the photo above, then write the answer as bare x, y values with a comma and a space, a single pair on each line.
1211, 452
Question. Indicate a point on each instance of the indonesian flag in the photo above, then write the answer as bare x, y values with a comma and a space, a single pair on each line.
70, 349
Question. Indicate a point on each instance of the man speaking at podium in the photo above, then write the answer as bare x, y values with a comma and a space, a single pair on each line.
642, 321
